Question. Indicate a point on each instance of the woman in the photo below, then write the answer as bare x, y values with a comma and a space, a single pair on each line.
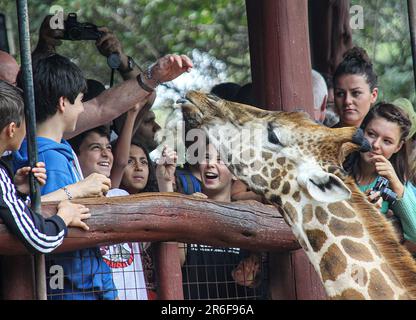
386, 127
355, 87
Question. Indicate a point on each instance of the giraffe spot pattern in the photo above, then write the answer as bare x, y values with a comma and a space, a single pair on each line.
378, 289
281, 161
291, 212
259, 181
321, 215
341, 228
390, 274
307, 213
333, 263
286, 188
265, 172
275, 183
359, 274
349, 294
317, 239
357, 250
374, 247
296, 196
339, 209
266, 156
275, 173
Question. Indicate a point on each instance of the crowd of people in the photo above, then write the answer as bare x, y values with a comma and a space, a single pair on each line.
94, 142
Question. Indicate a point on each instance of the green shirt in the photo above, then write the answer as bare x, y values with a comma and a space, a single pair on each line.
404, 208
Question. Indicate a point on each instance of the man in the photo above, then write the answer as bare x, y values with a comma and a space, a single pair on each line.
320, 96
146, 129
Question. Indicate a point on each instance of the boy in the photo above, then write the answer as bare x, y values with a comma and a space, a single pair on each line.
95, 155
37, 233
59, 86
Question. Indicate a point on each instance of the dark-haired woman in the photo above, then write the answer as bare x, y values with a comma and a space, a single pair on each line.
386, 127
355, 87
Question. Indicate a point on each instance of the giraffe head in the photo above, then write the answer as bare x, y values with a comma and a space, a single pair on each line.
277, 154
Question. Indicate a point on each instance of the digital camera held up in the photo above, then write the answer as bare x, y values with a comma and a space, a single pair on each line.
74, 30
382, 185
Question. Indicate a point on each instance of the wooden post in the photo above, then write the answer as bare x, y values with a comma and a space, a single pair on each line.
280, 56
330, 33
281, 74
169, 273
17, 278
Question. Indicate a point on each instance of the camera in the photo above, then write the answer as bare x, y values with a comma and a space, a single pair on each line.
74, 30
382, 185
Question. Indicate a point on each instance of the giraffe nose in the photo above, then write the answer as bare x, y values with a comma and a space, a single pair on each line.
181, 101
358, 138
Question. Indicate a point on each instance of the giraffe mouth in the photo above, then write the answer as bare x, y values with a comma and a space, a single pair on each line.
195, 108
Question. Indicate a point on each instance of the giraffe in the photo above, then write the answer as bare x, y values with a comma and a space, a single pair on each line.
297, 165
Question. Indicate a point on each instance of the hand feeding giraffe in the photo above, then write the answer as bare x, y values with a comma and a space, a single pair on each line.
296, 165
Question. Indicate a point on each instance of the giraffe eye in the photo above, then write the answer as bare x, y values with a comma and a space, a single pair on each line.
272, 135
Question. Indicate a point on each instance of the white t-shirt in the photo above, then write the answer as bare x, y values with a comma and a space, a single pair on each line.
125, 261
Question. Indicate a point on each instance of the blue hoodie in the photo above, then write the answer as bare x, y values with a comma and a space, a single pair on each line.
87, 276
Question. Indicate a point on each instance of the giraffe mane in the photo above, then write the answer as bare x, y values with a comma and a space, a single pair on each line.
385, 238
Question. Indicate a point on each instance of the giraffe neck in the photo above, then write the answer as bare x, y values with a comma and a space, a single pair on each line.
346, 244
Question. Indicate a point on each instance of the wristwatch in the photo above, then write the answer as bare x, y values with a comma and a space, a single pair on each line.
130, 65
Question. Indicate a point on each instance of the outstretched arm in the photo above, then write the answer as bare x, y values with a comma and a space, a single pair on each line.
117, 100
122, 149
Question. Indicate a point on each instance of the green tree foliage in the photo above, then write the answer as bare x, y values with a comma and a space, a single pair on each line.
149, 29
386, 38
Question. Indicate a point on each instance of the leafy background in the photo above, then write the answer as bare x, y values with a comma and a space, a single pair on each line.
214, 34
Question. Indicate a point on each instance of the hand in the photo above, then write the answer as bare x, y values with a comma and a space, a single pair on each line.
375, 198
21, 179
135, 110
108, 43
247, 272
169, 67
199, 195
166, 165
73, 214
385, 169
95, 185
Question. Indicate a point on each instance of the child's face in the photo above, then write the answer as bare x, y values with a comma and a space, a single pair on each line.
72, 112
95, 155
215, 175
136, 173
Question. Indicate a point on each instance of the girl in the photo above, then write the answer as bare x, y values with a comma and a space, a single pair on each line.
208, 272
386, 127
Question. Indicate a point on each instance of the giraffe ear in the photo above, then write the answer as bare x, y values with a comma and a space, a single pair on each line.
323, 186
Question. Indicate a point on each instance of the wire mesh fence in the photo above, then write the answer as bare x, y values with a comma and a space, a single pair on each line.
126, 271
106, 273
223, 273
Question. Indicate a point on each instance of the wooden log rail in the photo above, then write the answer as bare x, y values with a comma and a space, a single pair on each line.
153, 217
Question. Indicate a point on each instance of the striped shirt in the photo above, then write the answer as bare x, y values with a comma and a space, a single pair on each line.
37, 233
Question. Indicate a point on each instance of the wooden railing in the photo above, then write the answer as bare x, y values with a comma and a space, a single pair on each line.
159, 217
